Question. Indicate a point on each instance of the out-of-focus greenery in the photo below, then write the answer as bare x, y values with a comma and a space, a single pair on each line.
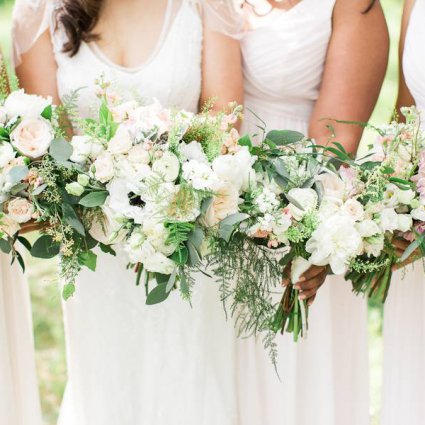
48, 327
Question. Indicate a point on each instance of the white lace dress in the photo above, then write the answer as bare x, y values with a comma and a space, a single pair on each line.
324, 379
403, 400
128, 363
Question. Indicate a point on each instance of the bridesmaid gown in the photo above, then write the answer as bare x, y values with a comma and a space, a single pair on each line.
19, 399
324, 379
403, 399
128, 363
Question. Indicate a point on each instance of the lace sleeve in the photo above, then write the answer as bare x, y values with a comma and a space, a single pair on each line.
225, 16
31, 18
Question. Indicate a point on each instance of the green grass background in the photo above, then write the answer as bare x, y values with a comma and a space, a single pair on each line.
48, 326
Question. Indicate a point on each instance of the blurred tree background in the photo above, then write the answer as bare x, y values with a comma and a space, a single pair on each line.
48, 325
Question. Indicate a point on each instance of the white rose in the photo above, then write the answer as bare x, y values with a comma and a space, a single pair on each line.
353, 209
25, 105
225, 202
329, 206
20, 210
74, 189
306, 198
81, 148
333, 185
107, 230
168, 166
139, 155
193, 151
6, 154
154, 261
368, 228
418, 213
389, 220
32, 137
405, 222
9, 226
121, 143
103, 168
235, 169
335, 242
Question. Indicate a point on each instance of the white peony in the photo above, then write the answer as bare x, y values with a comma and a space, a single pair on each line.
335, 242
329, 206
154, 261
235, 169
225, 202
20, 210
405, 222
103, 168
25, 105
193, 151
139, 155
32, 137
306, 198
353, 209
168, 166
333, 185
200, 175
368, 228
389, 220
6, 154
121, 143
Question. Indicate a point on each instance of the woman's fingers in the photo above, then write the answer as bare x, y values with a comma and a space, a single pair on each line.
286, 276
400, 244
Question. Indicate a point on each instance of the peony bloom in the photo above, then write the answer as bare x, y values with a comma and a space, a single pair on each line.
20, 210
26, 106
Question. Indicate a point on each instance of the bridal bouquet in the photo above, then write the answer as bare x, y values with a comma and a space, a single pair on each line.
159, 170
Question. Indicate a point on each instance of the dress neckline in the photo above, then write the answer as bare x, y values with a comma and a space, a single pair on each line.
94, 48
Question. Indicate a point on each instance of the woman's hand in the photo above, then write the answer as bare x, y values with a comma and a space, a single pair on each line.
401, 244
309, 283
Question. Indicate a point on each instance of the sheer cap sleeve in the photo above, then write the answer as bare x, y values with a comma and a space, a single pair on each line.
225, 16
31, 18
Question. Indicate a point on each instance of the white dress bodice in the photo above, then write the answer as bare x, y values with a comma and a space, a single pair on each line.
403, 395
171, 74
284, 55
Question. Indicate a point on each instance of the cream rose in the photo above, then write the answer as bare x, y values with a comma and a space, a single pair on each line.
306, 198
225, 203
121, 143
139, 155
20, 210
353, 209
103, 168
81, 148
32, 137
333, 185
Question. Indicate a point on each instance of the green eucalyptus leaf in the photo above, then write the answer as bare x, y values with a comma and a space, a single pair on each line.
88, 259
71, 218
245, 141
94, 199
18, 188
284, 137
17, 174
409, 250
5, 246
206, 203
171, 281
45, 247
196, 237
60, 150
39, 189
25, 243
194, 257
233, 219
158, 294
68, 291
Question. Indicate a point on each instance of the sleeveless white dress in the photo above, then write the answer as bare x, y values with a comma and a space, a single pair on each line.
128, 363
324, 379
403, 400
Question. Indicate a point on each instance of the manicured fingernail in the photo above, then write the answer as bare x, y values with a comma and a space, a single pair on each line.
302, 279
297, 287
302, 297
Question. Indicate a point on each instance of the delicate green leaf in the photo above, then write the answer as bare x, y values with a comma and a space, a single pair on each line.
245, 141
158, 294
206, 203
70, 217
409, 250
161, 278
25, 243
18, 188
68, 291
181, 256
47, 113
5, 246
196, 237
45, 247
225, 232
233, 219
60, 150
94, 199
293, 201
107, 249
17, 174
280, 168
194, 257
20, 261
284, 137
282, 182
39, 189
171, 281
88, 259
